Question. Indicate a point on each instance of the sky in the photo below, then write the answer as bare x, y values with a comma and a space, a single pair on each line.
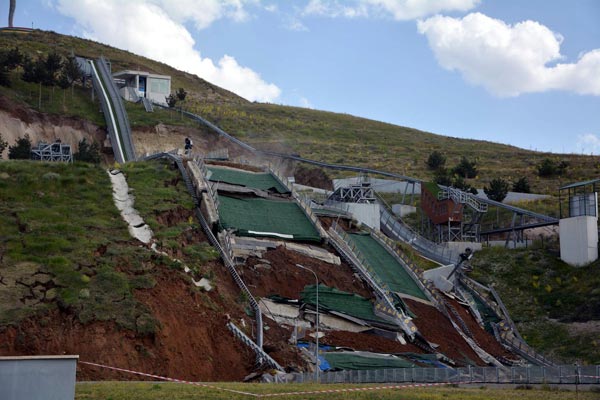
524, 73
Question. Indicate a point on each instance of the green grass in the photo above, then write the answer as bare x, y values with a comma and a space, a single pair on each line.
544, 295
158, 191
62, 237
150, 390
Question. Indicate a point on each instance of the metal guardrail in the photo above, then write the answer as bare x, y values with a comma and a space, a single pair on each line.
461, 197
506, 331
118, 107
562, 374
258, 350
400, 231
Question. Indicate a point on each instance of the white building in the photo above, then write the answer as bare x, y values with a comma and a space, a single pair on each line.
579, 223
134, 85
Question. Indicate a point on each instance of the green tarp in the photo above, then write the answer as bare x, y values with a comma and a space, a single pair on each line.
332, 299
362, 361
386, 267
260, 217
264, 181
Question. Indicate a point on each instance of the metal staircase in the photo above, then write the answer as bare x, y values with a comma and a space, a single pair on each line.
458, 196
147, 104
260, 353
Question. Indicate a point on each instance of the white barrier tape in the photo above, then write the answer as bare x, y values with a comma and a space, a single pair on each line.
364, 389
164, 378
324, 391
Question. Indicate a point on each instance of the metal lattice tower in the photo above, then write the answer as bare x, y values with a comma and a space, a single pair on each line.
56, 151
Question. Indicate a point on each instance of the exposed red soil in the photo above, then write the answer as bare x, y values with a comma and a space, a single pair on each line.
436, 328
314, 177
344, 223
367, 342
485, 340
277, 345
283, 278
192, 341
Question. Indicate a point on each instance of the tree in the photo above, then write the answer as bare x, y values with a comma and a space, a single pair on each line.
3, 145
171, 100
181, 94
9, 60
70, 73
88, 152
460, 183
442, 177
548, 168
466, 168
53, 63
436, 160
521, 185
497, 190
21, 150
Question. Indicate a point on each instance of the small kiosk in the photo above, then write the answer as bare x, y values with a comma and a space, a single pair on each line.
579, 222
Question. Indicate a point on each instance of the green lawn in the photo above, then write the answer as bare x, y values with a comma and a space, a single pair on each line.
221, 390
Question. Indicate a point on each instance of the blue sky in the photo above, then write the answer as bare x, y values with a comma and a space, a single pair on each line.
525, 73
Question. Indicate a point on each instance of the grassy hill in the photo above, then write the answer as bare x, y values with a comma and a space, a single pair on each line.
325, 136
65, 251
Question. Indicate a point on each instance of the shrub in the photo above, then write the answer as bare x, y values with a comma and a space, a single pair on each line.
88, 152
497, 190
521, 186
466, 168
21, 150
3, 145
549, 168
436, 160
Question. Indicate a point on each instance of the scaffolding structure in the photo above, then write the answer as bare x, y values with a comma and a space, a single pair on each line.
56, 151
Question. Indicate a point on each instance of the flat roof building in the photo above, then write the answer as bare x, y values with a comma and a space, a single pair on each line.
135, 85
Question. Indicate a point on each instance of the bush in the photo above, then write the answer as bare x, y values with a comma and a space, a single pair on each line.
466, 168
442, 177
88, 152
3, 145
549, 168
21, 150
521, 186
435, 161
497, 190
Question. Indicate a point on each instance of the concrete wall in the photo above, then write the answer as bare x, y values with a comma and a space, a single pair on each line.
460, 247
38, 377
579, 240
402, 210
367, 214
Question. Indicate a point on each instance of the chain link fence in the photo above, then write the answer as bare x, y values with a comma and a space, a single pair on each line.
564, 374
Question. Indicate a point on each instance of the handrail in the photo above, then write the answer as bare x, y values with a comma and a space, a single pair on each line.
260, 353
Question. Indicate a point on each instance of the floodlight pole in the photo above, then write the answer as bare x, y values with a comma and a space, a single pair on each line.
317, 320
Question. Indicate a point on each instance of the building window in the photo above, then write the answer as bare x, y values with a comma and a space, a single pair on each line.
162, 86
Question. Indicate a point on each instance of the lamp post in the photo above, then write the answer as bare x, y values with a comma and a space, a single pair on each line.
317, 320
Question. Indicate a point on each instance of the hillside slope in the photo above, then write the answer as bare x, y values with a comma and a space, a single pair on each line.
324, 136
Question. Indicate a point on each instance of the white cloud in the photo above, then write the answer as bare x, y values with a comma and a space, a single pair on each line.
588, 143
304, 102
156, 33
399, 10
204, 13
509, 60
294, 24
